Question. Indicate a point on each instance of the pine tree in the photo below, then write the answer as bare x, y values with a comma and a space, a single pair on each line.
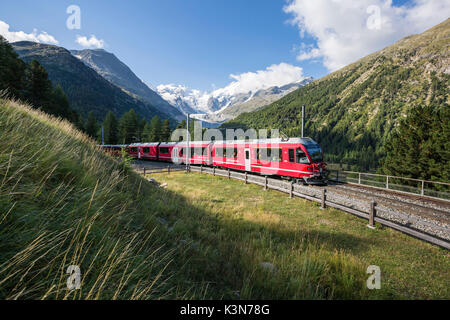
142, 124
110, 129
39, 87
155, 129
91, 126
166, 132
129, 127
420, 147
31, 84
146, 133
59, 105
12, 70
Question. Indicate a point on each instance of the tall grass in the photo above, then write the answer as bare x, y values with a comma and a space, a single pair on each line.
62, 203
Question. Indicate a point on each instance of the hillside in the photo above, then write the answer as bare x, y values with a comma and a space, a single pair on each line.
115, 71
63, 203
86, 89
353, 111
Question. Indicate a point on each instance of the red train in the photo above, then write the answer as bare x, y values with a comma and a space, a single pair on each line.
299, 158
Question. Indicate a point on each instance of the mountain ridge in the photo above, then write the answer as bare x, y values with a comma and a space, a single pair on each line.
218, 106
86, 89
118, 73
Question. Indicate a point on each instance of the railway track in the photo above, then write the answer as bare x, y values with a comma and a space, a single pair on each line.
424, 208
424, 218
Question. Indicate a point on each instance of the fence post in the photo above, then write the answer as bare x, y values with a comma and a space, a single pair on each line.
144, 173
229, 174
265, 183
422, 191
168, 169
337, 175
246, 178
387, 182
359, 178
372, 215
214, 171
324, 199
291, 192
201, 169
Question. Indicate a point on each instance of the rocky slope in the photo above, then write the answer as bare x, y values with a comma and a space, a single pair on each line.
118, 73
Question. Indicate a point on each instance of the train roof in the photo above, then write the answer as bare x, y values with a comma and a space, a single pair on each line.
112, 145
145, 144
303, 141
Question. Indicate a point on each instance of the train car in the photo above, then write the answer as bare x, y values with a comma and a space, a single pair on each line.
299, 158
133, 150
148, 151
230, 154
166, 151
113, 150
200, 152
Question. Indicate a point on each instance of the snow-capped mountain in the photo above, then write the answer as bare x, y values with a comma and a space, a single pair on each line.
225, 103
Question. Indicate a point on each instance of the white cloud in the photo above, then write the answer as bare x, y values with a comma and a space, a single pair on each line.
347, 30
92, 42
274, 75
35, 36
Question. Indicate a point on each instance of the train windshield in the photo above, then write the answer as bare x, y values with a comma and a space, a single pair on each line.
315, 152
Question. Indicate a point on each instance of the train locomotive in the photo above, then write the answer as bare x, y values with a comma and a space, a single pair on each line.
300, 159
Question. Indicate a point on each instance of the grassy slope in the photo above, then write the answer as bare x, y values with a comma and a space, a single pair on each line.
64, 203
318, 253
353, 111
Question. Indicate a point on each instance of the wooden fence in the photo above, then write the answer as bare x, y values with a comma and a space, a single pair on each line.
424, 188
371, 211
169, 169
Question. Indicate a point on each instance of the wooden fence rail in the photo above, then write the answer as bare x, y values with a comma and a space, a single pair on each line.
323, 196
403, 185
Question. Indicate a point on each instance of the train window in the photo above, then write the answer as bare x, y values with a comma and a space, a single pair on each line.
315, 152
197, 151
227, 153
164, 150
133, 150
291, 155
146, 150
301, 157
269, 154
230, 153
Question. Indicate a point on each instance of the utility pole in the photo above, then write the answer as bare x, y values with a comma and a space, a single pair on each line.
303, 121
188, 149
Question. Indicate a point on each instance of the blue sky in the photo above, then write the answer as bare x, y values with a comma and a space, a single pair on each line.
199, 43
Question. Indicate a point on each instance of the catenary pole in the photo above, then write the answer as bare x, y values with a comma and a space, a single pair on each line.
303, 121
188, 149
